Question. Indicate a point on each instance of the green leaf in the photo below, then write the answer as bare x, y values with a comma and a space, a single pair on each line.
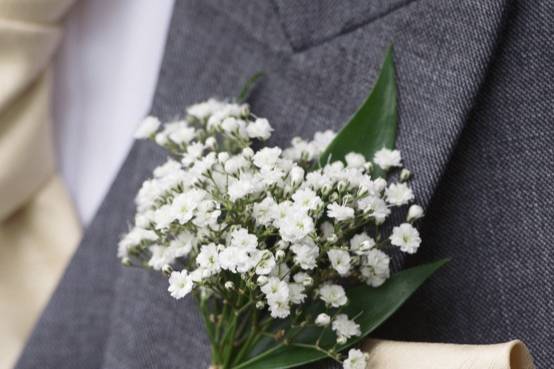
373, 126
372, 305
248, 86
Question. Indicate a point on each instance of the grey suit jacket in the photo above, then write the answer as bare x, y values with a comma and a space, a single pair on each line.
475, 124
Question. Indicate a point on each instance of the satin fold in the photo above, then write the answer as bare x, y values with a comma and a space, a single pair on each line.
414, 355
38, 226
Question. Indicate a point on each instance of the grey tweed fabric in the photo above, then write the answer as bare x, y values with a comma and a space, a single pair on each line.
476, 126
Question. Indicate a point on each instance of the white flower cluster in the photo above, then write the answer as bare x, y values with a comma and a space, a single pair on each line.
267, 226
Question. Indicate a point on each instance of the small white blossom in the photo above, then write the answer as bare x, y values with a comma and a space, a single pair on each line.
339, 212
239, 188
354, 160
134, 238
182, 244
241, 238
260, 128
265, 262
361, 243
267, 157
414, 212
303, 278
340, 260
235, 163
306, 199
305, 254
296, 293
276, 289
322, 320
399, 194
279, 307
185, 204
296, 174
161, 256
387, 159
375, 268
406, 237
296, 225
204, 109
180, 284
265, 212
375, 207
356, 360
208, 258
345, 327
147, 127
333, 295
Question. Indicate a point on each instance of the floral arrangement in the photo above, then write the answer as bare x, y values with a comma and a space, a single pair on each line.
273, 242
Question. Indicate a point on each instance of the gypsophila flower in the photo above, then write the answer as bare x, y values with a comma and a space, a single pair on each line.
340, 260
414, 212
387, 159
260, 128
345, 328
339, 212
361, 243
333, 295
356, 360
180, 284
399, 194
406, 237
322, 320
375, 267
147, 127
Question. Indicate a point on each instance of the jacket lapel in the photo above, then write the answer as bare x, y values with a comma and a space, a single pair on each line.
442, 53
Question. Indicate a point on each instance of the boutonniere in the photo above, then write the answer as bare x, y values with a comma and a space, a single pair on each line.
286, 250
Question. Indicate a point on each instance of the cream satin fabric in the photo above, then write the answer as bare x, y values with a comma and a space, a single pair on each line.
414, 355
38, 228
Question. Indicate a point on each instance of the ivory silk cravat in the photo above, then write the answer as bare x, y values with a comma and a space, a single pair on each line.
38, 227
456, 87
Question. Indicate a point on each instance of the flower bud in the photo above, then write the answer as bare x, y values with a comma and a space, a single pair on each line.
282, 244
334, 197
280, 255
347, 199
161, 139
326, 190
223, 157
362, 191
380, 184
210, 142
244, 110
368, 166
405, 175
322, 320
260, 305
126, 261
167, 270
341, 340
229, 285
262, 280
296, 174
415, 212
342, 186
332, 238
247, 152
308, 281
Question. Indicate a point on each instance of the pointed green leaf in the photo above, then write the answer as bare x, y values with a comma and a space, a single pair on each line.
372, 305
248, 86
373, 126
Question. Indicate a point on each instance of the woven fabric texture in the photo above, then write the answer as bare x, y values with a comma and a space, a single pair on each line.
476, 126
